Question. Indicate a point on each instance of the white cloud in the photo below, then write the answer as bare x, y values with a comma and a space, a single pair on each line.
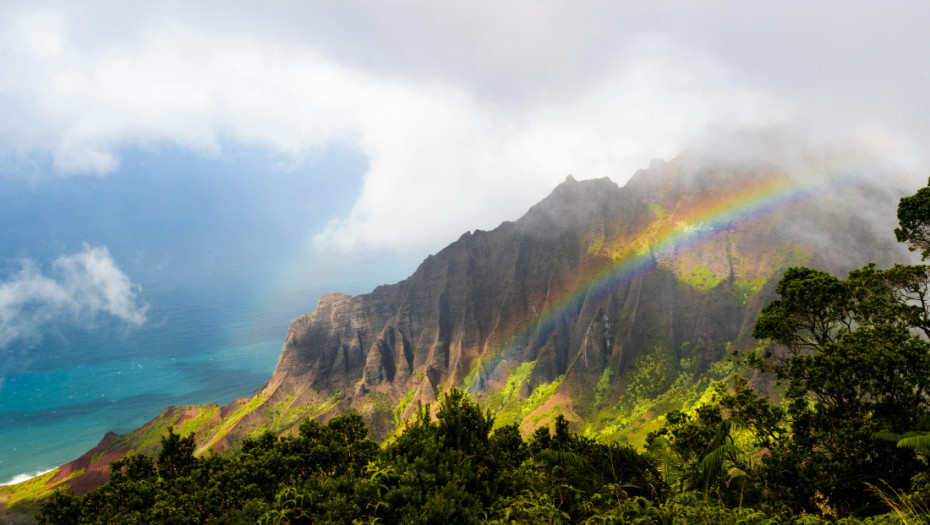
78, 288
442, 162
468, 113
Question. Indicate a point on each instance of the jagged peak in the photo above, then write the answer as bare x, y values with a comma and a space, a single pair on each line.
569, 204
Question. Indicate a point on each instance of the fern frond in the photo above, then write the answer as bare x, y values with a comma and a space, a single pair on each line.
670, 466
887, 436
919, 444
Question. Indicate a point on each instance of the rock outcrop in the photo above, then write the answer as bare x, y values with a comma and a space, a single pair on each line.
607, 304
677, 262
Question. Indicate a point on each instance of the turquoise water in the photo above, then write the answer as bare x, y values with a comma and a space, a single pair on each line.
70, 410
212, 343
220, 250
211, 244
78, 387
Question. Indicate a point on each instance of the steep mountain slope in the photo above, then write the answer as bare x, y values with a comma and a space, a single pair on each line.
607, 304
599, 295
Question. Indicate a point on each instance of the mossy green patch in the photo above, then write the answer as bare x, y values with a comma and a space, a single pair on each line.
379, 401
515, 381
381, 410
147, 438
504, 397
471, 380
284, 414
384, 407
652, 374
516, 410
600, 389
632, 420
701, 278
226, 425
401, 407
205, 422
548, 415
745, 290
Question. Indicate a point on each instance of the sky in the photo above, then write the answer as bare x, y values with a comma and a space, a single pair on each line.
151, 145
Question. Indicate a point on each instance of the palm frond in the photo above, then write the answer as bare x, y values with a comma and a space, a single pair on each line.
563, 458
713, 460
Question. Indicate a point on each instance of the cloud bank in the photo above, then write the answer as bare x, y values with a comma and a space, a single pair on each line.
467, 112
78, 288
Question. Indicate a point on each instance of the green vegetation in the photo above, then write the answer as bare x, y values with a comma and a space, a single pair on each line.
600, 389
653, 373
848, 443
631, 421
204, 421
455, 469
231, 421
509, 394
471, 380
701, 278
519, 376
517, 409
853, 366
745, 290
146, 439
284, 415
28, 490
402, 407
913, 225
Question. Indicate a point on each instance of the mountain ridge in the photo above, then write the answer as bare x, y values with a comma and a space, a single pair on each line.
431, 331
603, 303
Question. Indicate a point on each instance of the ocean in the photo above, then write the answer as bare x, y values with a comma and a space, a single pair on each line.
205, 341
219, 250
79, 384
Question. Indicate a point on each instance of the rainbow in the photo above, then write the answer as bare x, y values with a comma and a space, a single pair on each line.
681, 228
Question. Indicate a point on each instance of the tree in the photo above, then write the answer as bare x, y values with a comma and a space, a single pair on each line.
177, 455
853, 358
443, 470
914, 221
697, 452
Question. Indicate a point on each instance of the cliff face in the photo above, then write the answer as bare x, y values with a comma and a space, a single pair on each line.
461, 305
609, 305
575, 303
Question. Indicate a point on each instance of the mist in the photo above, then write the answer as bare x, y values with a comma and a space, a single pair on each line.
841, 180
